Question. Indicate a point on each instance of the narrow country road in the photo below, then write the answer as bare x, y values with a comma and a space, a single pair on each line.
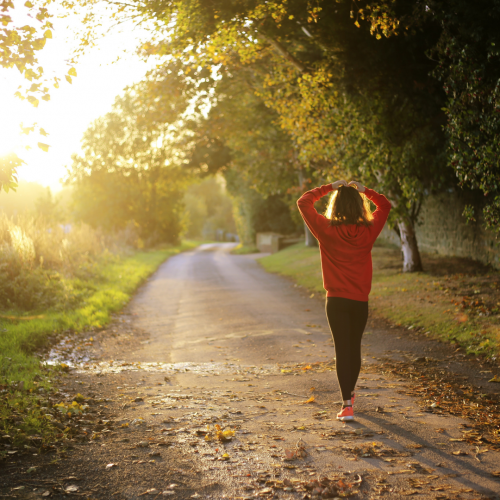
213, 340
209, 305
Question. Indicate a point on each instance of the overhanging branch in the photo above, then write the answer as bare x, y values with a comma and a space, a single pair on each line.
283, 52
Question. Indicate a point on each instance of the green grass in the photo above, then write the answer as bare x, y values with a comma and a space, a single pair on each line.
22, 375
244, 249
429, 303
298, 262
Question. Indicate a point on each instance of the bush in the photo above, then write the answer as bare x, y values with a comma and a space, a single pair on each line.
41, 263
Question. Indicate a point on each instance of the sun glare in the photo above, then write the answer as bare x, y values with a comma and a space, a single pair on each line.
71, 108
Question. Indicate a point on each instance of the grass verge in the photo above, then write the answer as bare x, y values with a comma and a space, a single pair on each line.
455, 300
25, 382
243, 249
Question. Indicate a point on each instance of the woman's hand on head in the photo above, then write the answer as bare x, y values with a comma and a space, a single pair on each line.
337, 184
357, 185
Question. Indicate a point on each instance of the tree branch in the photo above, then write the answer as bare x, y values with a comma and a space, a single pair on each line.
283, 52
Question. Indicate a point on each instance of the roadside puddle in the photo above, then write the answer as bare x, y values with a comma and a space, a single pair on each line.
111, 367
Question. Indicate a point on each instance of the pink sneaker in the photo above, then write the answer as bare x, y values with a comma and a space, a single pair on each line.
346, 413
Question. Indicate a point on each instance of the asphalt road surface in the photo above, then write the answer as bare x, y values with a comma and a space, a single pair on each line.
212, 339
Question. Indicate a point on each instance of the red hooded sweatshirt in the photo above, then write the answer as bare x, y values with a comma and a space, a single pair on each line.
346, 258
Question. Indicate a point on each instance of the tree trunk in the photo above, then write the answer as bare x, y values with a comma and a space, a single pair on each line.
409, 247
311, 241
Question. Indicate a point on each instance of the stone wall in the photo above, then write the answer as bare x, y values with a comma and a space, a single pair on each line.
443, 230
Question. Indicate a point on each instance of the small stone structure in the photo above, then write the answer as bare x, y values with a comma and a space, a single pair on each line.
274, 242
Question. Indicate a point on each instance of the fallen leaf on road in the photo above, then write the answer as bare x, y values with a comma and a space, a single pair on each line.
496, 473
110, 466
459, 453
219, 434
310, 400
495, 379
72, 488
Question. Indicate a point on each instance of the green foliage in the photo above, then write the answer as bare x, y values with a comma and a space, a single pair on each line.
255, 213
48, 207
44, 265
19, 46
466, 47
305, 92
19, 49
8, 171
469, 69
208, 209
335, 93
24, 199
126, 175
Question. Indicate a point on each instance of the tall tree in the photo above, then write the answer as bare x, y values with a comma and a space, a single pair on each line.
127, 174
468, 51
468, 68
239, 135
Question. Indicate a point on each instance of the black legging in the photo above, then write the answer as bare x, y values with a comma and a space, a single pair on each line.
347, 319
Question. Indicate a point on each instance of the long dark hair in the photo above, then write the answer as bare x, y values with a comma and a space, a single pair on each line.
348, 206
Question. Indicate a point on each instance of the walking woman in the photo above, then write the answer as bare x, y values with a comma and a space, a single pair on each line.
346, 237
